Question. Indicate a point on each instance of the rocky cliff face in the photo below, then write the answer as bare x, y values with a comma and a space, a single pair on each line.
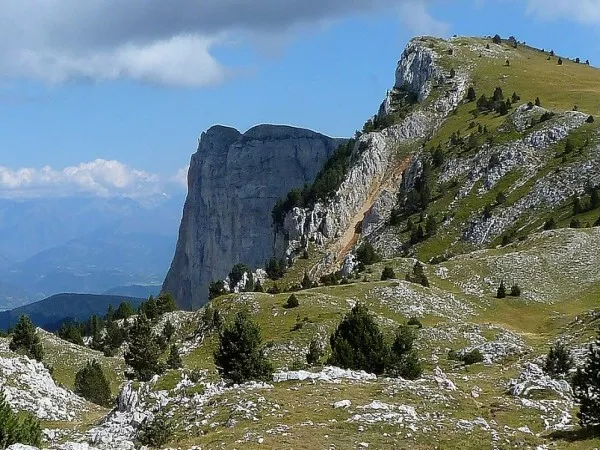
234, 181
363, 200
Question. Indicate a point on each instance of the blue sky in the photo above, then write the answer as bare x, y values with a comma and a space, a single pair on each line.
108, 97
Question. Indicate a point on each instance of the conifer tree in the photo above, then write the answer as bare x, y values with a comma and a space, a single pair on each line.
165, 303
25, 339
149, 308
404, 361
471, 94
501, 292
586, 387
91, 384
240, 357
124, 311
292, 301
358, 344
174, 359
70, 332
306, 281
315, 353
168, 330
144, 350
18, 429
559, 361
388, 274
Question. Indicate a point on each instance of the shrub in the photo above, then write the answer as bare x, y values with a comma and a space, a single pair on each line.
195, 375
431, 226
70, 332
22, 428
418, 275
497, 39
597, 222
258, 287
358, 344
515, 290
387, 274
91, 384
414, 321
575, 223
124, 311
501, 292
559, 361
586, 387
240, 356
315, 352
367, 255
25, 339
550, 224
237, 274
471, 94
452, 73
292, 302
403, 360
168, 330
306, 282
174, 359
165, 303
156, 432
560, 61
500, 198
472, 357
538, 102
590, 119
144, 350
275, 268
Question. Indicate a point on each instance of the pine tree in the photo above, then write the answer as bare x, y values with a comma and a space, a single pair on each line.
306, 282
515, 290
387, 274
113, 339
315, 353
144, 350
149, 308
124, 311
240, 356
366, 254
501, 292
430, 226
292, 301
174, 359
18, 429
91, 384
168, 330
165, 303
538, 102
25, 339
559, 361
358, 344
586, 387
70, 332
156, 432
404, 361
216, 289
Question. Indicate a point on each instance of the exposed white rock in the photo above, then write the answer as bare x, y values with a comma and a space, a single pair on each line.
342, 404
28, 386
329, 374
533, 379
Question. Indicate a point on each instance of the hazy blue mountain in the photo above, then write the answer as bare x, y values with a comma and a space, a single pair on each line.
135, 290
52, 311
84, 245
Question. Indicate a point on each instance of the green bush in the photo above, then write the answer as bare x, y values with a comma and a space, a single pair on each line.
240, 356
403, 361
91, 384
388, 274
358, 344
70, 332
414, 321
472, 357
156, 432
25, 339
275, 268
315, 353
306, 282
124, 311
366, 254
216, 289
559, 361
515, 290
292, 302
501, 292
168, 331
22, 428
418, 275
144, 350
165, 303
586, 388
174, 359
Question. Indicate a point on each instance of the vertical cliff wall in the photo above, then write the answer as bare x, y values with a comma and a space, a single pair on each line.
234, 181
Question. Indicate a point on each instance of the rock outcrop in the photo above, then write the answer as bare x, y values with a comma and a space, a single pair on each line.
361, 198
234, 181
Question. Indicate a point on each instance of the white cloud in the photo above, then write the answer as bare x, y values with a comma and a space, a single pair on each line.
417, 19
97, 178
584, 11
157, 41
181, 176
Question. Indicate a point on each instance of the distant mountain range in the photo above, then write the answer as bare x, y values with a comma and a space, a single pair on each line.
52, 311
84, 245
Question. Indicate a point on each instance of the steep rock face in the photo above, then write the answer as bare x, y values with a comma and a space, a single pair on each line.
234, 181
362, 195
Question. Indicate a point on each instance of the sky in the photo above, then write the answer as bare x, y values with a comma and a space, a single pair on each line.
109, 97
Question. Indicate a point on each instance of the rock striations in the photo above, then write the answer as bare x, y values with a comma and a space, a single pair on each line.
234, 181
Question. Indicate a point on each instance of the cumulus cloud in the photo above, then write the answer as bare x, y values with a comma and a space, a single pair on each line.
417, 19
97, 178
154, 41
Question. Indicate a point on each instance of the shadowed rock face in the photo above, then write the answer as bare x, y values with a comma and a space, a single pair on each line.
234, 181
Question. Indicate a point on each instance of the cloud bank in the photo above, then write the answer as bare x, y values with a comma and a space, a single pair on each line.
100, 178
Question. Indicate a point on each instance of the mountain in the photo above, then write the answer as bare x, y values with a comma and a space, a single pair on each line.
84, 245
52, 311
134, 290
234, 181
461, 185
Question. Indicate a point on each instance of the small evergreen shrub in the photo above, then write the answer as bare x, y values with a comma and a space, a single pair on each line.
292, 302
168, 331
559, 361
586, 388
315, 353
306, 282
387, 274
501, 292
91, 384
240, 356
515, 290
174, 359
403, 361
25, 339
590, 119
145, 349
414, 321
550, 224
22, 428
473, 357
367, 255
156, 432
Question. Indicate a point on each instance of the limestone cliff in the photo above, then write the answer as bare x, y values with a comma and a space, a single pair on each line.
234, 181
